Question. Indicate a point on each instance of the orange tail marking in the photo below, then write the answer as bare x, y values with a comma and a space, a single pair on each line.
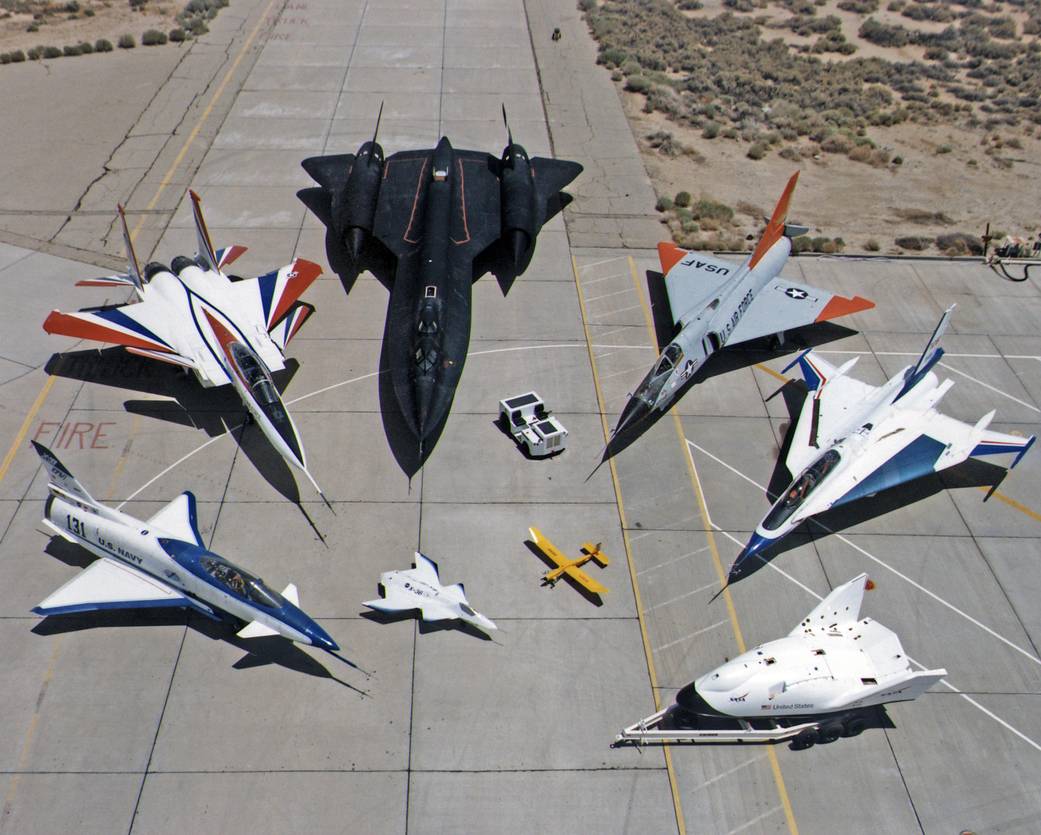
841, 306
775, 228
669, 254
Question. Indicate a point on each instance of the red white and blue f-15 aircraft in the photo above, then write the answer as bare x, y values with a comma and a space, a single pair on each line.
191, 314
853, 439
161, 562
716, 303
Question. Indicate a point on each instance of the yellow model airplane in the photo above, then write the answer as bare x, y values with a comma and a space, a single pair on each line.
570, 567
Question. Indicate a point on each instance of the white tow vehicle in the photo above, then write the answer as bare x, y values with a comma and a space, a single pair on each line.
531, 425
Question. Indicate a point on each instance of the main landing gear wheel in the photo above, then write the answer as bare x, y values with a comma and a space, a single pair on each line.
830, 732
854, 726
805, 739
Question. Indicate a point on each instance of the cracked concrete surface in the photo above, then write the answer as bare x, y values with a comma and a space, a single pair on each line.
107, 129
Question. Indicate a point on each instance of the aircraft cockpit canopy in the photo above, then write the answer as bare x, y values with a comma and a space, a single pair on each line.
240, 582
428, 337
670, 358
256, 375
467, 609
801, 488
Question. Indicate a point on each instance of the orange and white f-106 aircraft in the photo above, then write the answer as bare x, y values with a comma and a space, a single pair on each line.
568, 566
716, 303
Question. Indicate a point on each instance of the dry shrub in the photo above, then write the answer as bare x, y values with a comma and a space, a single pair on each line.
914, 243
922, 217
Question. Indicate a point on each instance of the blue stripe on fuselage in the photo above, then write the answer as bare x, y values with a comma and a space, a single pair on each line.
913, 461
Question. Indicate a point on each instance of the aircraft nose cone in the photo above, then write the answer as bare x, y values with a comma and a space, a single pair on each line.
746, 561
635, 411
320, 638
690, 699
484, 623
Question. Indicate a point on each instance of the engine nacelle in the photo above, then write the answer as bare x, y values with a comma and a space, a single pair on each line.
517, 199
354, 208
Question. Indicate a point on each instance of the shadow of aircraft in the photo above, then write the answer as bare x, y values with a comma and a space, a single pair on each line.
677, 719
216, 411
189, 404
969, 473
425, 627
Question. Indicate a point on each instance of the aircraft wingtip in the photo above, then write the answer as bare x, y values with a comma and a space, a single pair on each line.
841, 306
669, 254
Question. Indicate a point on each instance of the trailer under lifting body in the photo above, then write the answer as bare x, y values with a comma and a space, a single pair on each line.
658, 729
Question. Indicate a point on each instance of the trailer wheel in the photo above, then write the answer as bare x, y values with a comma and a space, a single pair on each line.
854, 726
805, 739
830, 732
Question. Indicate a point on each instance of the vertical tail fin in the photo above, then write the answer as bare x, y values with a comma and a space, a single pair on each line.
930, 356
775, 226
133, 268
60, 478
206, 255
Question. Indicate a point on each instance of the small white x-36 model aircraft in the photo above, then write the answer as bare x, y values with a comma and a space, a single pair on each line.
420, 588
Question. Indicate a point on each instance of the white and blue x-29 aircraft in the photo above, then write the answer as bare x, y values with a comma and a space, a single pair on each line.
161, 562
716, 303
191, 314
853, 439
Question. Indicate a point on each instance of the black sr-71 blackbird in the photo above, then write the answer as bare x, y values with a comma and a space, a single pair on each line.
445, 217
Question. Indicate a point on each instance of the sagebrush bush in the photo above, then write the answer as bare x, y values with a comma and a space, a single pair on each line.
757, 150
153, 37
127, 42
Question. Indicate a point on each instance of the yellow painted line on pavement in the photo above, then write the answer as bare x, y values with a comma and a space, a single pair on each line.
1022, 508
695, 481
23, 757
681, 824
168, 176
772, 373
24, 429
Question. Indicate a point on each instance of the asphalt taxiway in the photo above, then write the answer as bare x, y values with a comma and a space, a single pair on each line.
162, 723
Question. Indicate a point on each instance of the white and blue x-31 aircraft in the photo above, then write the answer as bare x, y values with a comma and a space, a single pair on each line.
853, 439
161, 562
